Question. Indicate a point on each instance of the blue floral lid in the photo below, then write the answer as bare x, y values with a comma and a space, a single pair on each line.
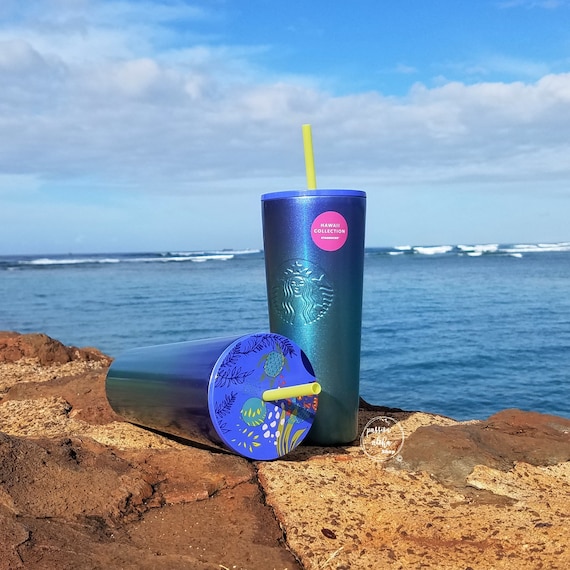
245, 422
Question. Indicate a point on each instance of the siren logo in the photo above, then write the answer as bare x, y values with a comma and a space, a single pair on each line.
382, 438
302, 294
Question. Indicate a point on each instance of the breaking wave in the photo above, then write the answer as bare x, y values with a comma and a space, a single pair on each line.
70, 260
517, 251
472, 250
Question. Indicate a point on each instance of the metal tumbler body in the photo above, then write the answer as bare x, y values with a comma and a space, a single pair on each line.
211, 391
314, 257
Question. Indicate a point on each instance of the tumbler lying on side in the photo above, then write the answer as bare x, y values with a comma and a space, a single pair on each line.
255, 395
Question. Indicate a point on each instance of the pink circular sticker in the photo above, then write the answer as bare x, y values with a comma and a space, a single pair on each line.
329, 231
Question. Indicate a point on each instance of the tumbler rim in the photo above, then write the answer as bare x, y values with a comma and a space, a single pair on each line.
333, 193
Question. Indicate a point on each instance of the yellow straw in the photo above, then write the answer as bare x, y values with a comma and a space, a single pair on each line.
298, 391
309, 158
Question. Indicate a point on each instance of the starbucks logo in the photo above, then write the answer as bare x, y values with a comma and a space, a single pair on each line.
302, 294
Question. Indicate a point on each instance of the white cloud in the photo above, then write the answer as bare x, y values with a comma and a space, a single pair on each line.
18, 55
106, 93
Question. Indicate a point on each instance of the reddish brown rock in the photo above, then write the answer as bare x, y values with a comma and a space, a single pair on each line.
233, 529
450, 453
80, 489
69, 480
13, 534
187, 474
77, 504
14, 346
84, 392
341, 509
144, 502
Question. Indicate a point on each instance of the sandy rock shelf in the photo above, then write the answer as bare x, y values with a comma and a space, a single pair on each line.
79, 488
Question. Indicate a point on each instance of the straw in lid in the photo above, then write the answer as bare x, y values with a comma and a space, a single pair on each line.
247, 411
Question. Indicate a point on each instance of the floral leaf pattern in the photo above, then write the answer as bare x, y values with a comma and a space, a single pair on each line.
224, 407
248, 424
233, 376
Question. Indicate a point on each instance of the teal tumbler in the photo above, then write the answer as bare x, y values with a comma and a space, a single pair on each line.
314, 258
233, 393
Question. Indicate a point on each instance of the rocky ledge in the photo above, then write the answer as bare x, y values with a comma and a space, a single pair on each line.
81, 489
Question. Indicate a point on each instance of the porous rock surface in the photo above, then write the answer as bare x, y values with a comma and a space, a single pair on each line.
79, 488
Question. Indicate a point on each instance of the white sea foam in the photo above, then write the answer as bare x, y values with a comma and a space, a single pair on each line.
534, 248
523, 247
562, 244
202, 258
194, 256
403, 247
482, 248
162, 259
214, 252
71, 261
235, 251
395, 253
433, 250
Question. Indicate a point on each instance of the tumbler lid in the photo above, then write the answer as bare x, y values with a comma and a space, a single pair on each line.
245, 422
321, 192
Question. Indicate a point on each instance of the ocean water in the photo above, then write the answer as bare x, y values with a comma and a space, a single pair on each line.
463, 331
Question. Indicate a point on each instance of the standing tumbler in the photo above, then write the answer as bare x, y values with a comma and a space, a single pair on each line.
254, 395
314, 257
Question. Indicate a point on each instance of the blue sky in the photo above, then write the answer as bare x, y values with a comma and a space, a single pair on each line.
157, 125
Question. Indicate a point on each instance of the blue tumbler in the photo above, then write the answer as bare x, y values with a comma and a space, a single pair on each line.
314, 258
253, 394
